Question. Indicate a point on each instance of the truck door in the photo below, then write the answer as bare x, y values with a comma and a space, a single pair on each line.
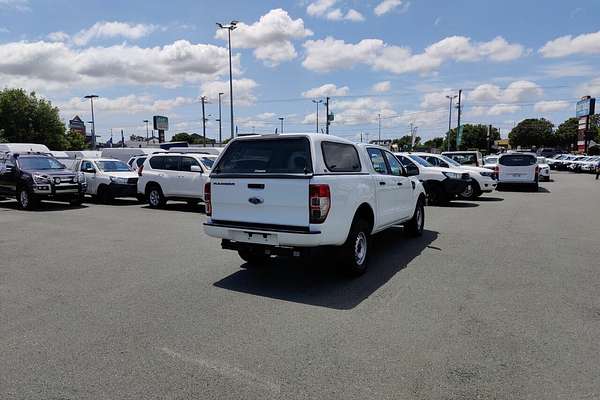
405, 206
386, 191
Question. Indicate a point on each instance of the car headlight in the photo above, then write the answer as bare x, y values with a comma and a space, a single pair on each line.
452, 175
489, 174
118, 180
41, 178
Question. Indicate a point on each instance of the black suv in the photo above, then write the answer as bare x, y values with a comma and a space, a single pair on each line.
31, 177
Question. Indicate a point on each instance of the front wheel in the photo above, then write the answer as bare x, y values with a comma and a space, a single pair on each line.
156, 199
26, 199
355, 252
471, 192
415, 226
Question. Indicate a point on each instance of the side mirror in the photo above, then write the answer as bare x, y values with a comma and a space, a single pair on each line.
195, 168
412, 172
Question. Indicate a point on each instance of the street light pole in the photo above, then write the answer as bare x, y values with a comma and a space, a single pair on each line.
146, 121
451, 98
220, 125
379, 127
92, 97
203, 99
317, 103
230, 27
281, 119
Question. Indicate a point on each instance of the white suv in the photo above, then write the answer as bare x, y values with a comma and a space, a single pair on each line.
484, 180
172, 176
107, 178
521, 168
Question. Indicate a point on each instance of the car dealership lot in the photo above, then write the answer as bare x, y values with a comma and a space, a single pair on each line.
499, 298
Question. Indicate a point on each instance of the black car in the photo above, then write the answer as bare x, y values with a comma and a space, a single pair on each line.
31, 177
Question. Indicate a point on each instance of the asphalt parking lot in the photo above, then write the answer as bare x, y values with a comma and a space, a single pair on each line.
498, 299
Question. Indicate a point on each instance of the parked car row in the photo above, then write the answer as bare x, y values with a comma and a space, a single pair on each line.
574, 163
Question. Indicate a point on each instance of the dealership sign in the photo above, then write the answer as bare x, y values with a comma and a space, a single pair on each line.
161, 123
585, 107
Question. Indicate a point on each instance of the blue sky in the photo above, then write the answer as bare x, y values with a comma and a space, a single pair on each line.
399, 59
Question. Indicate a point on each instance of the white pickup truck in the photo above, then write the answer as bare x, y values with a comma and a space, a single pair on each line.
286, 194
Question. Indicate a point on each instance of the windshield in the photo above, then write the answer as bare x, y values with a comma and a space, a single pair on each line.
450, 161
39, 163
517, 160
112, 166
491, 160
541, 160
208, 162
419, 160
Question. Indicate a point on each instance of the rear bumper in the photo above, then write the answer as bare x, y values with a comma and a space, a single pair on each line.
263, 236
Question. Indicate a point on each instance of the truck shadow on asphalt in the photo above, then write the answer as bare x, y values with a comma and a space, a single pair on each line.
180, 207
520, 188
44, 206
321, 283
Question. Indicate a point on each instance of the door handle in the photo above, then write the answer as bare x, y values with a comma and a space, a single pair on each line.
382, 183
399, 183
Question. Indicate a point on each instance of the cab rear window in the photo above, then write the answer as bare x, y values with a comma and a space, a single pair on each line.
517, 160
266, 156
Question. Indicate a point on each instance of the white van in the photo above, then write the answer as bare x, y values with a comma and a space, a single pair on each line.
521, 168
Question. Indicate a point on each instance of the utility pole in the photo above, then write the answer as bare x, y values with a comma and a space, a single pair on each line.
230, 27
459, 107
220, 125
361, 137
451, 98
92, 97
489, 139
203, 100
146, 121
379, 127
327, 119
281, 119
317, 103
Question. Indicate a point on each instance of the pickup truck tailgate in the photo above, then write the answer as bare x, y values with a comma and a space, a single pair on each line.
261, 200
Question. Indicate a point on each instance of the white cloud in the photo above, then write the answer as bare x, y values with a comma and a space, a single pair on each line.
437, 100
591, 88
131, 104
243, 91
387, 5
382, 87
361, 111
563, 46
18, 5
551, 106
500, 109
330, 54
58, 36
328, 89
56, 66
271, 36
517, 91
105, 30
324, 9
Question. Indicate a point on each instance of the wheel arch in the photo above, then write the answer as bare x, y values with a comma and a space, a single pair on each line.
365, 211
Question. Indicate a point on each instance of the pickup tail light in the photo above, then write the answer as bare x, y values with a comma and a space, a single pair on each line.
140, 169
537, 171
497, 171
319, 203
207, 203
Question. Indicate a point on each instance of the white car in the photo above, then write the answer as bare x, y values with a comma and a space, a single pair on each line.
441, 184
136, 162
172, 176
490, 162
484, 180
107, 178
288, 194
518, 168
544, 169
470, 157
590, 165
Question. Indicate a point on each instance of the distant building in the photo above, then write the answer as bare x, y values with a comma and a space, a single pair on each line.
77, 125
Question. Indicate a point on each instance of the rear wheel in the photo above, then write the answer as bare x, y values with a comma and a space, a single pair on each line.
355, 252
155, 196
255, 258
26, 199
415, 226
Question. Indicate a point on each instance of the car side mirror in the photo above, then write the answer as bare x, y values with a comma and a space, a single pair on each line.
412, 172
195, 168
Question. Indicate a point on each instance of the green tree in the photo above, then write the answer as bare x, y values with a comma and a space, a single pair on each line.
75, 141
436, 143
565, 136
532, 132
24, 118
473, 137
405, 141
182, 137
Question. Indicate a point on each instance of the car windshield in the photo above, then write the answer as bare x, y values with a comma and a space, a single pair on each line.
491, 160
208, 162
541, 160
39, 163
112, 166
450, 161
517, 160
464, 158
419, 160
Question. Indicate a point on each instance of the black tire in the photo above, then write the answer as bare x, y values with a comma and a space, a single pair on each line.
436, 195
104, 195
76, 202
355, 252
141, 198
155, 197
26, 200
415, 226
472, 192
255, 258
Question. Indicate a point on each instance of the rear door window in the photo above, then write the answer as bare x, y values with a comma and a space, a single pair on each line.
266, 156
378, 161
157, 162
517, 160
172, 163
340, 157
